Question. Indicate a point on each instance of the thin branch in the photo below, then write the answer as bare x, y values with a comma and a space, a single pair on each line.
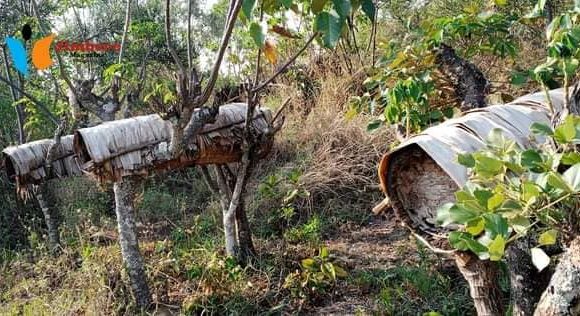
189, 57
221, 52
168, 38
40, 105
125, 30
286, 65
18, 109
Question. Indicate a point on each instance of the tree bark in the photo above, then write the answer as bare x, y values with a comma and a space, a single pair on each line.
482, 277
562, 297
469, 82
526, 283
49, 218
124, 196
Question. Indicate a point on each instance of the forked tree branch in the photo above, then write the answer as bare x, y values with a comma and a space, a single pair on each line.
283, 68
230, 23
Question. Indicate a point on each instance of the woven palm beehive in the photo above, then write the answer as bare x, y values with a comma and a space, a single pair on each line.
26, 164
423, 173
139, 145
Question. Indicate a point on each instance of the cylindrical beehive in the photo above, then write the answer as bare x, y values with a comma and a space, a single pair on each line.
422, 174
139, 145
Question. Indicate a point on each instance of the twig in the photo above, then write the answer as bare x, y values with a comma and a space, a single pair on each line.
286, 65
279, 111
125, 30
168, 38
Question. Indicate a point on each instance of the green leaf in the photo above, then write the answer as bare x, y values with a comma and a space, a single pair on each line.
495, 201
258, 34
340, 272
464, 241
323, 252
520, 224
475, 227
530, 191
572, 177
466, 160
369, 9
548, 237
308, 263
532, 160
248, 7
570, 158
342, 7
496, 248
488, 166
495, 224
541, 129
286, 3
566, 132
330, 25
540, 259
500, 3
557, 181
317, 6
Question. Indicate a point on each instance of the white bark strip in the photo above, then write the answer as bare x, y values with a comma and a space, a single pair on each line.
562, 297
124, 196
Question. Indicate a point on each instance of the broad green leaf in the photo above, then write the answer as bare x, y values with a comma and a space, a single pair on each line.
369, 9
570, 158
248, 7
540, 259
532, 160
530, 191
475, 227
572, 177
488, 166
330, 25
482, 197
519, 78
496, 248
495, 201
323, 252
317, 6
500, 3
495, 224
541, 129
258, 34
566, 132
520, 224
548, 237
342, 7
286, 3
466, 160
443, 215
308, 263
464, 241
557, 181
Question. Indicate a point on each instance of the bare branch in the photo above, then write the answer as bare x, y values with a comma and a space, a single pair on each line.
286, 65
125, 30
189, 57
235, 10
168, 38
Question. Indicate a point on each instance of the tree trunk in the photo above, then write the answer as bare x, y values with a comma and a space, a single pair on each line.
482, 277
244, 233
49, 218
124, 196
526, 283
469, 83
562, 297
